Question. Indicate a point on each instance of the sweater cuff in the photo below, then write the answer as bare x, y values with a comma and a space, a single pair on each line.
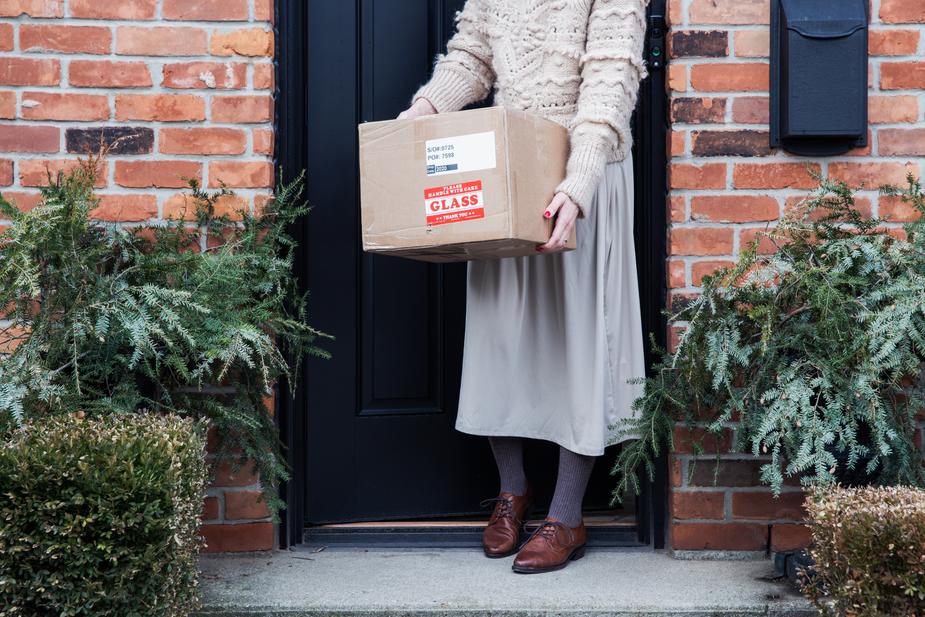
584, 172
447, 91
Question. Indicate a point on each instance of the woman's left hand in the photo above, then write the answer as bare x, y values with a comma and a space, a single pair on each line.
566, 213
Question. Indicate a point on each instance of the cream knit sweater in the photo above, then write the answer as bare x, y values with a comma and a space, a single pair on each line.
576, 62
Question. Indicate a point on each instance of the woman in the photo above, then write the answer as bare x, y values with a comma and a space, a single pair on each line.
551, 340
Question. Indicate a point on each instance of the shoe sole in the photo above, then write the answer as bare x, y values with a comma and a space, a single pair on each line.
577, 554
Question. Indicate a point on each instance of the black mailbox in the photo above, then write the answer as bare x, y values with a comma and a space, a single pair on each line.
819, 59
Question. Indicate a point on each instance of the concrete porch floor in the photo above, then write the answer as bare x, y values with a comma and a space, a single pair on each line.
453, 582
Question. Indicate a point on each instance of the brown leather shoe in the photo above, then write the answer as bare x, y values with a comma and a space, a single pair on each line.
502, 533
551, 547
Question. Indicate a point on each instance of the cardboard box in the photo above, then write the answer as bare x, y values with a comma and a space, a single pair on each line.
460, 186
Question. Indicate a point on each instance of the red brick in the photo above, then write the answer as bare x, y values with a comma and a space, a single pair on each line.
64, 106
235, 174
240, 538
736, 12
676, 143
893, 42
6, 172
677, 274
210, 509
685, 438
160, 107
733, 208
206, 10
35, 172
32, 8
65, 39
242, 109
161, 41
108, 74
123, 9
263, 10
183, 207
719, 536
751, 110
6, 37
23, 200
225, 475
764, 505
902, 11
902, 142
698, 44
708, 176
730, 143
871, 175
7, 104
249, 42
29, 72
264, 76
222, 75
675, 13
18, 138
126, 208
696, 110
699, 505
203, 141
677, 208
724, 77
785, 538
245, 505
165, 174
766, 245
895, 210
263, 141
677, 77
892, 109
902, 75
700, 269
775, 175
753, 43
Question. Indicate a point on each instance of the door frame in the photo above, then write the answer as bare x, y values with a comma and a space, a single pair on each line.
292, 84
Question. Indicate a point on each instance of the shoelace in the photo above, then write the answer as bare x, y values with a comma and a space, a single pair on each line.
504, 509
547, 531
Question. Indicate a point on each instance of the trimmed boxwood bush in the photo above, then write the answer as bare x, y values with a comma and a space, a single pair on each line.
869, 552
100, 517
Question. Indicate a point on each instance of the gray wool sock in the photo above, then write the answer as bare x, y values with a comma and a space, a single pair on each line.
571, 483
509, 456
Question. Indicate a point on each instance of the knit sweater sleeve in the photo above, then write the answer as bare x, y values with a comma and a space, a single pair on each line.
611, 69
464, 75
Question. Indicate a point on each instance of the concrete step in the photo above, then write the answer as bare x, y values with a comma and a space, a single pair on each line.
463, 583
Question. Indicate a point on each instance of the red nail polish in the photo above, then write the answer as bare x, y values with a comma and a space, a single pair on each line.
546, 214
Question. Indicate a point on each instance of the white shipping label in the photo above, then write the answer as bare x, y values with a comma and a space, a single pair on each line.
455, 155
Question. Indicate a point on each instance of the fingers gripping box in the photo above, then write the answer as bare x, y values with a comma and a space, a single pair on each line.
460, 186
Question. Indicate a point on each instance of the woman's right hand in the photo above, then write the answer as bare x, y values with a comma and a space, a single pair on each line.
421, 107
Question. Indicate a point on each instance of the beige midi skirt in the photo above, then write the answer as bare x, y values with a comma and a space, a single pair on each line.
552, 340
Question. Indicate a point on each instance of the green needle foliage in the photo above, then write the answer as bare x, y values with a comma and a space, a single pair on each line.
813, 352
190, 317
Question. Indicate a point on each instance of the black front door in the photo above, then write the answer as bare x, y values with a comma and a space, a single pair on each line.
377, 441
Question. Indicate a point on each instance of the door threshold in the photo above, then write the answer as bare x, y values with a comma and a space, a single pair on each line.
467, 533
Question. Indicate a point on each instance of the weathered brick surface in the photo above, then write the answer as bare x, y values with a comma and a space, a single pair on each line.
141, 79
727, 186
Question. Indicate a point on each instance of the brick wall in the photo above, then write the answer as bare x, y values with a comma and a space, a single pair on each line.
727, 185
187, 86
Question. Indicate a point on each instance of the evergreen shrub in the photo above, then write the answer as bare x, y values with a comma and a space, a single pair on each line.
99, 517
191, 316
812, 352
868, 552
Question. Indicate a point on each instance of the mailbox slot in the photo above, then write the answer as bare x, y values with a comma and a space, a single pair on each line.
819, 81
